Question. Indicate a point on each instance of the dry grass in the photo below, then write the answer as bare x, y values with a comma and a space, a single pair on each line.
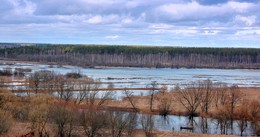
20, 128
142, 103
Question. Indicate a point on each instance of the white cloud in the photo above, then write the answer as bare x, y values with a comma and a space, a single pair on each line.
248, 21
71, 18
135, 20
132, 4
160, 26
142, 17
239, 7
23, 7
186, 31
181, 10
99, 19
95, 19
168, 29
127, 21
197, 11
248, 32
98, 2
211, 32
112, 37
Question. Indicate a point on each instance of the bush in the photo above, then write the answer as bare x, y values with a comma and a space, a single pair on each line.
23, 69
6, 72
19, 73
5, 122
74, 75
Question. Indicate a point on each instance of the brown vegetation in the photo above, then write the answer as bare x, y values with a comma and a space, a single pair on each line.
65, 115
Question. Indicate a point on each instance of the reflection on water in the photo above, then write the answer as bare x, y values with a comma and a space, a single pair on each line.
195, 125
200, 125
117, 95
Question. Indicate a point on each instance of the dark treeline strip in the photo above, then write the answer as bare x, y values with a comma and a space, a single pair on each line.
137, 56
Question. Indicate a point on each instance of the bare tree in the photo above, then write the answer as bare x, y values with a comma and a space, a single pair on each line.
190, 97
153, 90
64, 119
59, 85
35, 81
93, 122
254, 110
147, 123
73, 115
64, 88
227, 111
234, 98
223, 120
68, 90
207, 95
92, 94
220, 94
39, 115
48, 81
106, 95
121, 123
254, 114
129, 96
97, 97
165, 104
204, 125
163, 89
243, 117
85, 88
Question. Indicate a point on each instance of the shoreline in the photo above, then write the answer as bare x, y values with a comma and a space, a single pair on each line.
122, 67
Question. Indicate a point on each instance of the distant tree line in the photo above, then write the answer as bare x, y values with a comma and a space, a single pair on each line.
137, 56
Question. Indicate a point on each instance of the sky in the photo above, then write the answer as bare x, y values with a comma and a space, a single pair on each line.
192, 23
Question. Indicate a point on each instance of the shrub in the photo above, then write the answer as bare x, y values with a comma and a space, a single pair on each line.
6, 72
19, 73
74, 75
5, 122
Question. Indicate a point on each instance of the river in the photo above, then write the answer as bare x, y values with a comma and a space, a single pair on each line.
141, 77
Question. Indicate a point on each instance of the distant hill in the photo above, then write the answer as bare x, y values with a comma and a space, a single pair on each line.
135, 56
9, 45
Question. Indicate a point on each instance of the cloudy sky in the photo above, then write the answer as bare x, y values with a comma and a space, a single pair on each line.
207, 23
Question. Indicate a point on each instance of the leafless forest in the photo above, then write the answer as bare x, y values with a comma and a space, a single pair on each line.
135, 56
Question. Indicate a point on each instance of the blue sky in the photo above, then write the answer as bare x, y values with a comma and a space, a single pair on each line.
200, 23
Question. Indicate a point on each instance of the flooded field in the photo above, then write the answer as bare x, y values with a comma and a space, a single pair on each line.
142, 78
